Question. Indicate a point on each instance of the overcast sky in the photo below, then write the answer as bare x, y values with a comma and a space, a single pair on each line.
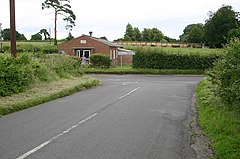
109, 17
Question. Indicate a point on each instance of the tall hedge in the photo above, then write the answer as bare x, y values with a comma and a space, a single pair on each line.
163, 60
225, 75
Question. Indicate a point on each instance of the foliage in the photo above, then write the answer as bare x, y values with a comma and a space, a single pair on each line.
220, 124
134, 34
36, 36
100, 60
30, 47
159, 59
193, 33
233, 33
44, 92
219, 24
225, 75
6, 35
60, 9
129, 70
45, 34
70, 36
18, 74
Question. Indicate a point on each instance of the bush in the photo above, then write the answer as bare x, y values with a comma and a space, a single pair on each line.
225, 75
163, 60
100, 60
16, 74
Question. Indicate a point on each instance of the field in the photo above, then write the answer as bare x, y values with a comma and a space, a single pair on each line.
171, 50
40, 43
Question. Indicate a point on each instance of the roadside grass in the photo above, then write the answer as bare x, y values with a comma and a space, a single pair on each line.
127, 69
43, 92
220, 123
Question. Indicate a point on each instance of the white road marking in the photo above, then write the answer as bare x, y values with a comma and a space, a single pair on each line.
128, 93
55, 137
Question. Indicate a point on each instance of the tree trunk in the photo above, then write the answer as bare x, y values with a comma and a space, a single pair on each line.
55, 28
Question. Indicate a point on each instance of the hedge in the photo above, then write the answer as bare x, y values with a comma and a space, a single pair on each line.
163, 60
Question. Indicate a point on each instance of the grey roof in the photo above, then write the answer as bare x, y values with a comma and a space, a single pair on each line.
109, 43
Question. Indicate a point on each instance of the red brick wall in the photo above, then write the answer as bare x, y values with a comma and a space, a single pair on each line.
98, 47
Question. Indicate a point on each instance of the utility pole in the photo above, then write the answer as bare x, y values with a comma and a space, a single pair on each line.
13, 28
1, 36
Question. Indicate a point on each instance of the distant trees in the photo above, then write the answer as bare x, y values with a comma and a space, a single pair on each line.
134, 34
38, 36
63, 9
6, 35
193, 33
220, 28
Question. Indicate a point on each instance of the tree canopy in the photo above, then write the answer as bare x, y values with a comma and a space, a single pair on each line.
6, 35
63, 9
193, 33
134, 34
219, 24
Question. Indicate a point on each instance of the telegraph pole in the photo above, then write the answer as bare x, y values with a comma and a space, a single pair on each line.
1, 36
13, 28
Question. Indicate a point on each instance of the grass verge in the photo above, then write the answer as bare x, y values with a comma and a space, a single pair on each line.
44, 92
219, 122
130, 70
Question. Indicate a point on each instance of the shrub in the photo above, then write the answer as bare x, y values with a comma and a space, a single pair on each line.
16, 74
100, 60
225, 75
162, 60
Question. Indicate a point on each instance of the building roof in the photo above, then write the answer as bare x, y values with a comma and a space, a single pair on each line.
109, 43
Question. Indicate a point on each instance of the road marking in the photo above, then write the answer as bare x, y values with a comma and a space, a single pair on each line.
128, 93
55, 137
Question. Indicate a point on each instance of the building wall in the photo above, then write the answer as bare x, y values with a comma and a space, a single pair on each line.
96, 46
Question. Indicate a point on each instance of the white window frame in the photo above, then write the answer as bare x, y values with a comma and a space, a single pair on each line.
83, 41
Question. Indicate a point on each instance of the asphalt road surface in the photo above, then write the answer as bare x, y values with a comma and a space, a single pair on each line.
126, 117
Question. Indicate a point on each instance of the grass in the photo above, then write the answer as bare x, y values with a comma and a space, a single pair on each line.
219, 122
33, 43
171, 50
44, 92
127, 69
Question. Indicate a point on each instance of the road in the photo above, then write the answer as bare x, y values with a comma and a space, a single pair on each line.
126, 117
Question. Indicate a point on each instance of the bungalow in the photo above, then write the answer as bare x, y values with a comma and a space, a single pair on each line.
86, 46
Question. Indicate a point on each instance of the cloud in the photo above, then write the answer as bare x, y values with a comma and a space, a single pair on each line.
109, 18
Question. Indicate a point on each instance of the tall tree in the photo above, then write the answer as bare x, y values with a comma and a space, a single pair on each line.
157, 35
193, 33
219, 24
128, 36
147, 34
63, 9
137, 36
45, 33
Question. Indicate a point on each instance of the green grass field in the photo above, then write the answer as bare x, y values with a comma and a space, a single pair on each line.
33, 43
171, 50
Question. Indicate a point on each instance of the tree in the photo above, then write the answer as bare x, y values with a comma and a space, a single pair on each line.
137, 36
36, 37
128, 33
147, 34
193, 33
233, 33
6, 35
70, 36
45, 34
157, 35
219, 24
60, 9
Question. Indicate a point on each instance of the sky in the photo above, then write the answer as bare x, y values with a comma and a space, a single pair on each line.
109, 18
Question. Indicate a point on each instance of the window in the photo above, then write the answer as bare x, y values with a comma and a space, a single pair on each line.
114, 54
83, 41
111, 55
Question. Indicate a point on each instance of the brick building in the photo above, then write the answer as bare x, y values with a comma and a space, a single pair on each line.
87, 46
